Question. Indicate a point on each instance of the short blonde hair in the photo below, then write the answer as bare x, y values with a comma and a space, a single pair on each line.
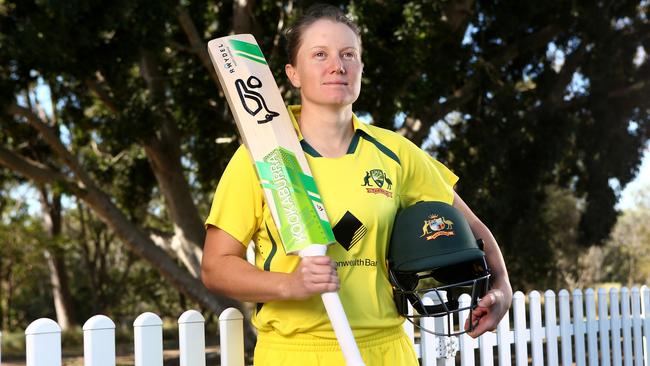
293, 34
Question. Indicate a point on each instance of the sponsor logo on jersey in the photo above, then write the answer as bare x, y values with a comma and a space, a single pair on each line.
349, 230
357, 262
377, 182
436, 226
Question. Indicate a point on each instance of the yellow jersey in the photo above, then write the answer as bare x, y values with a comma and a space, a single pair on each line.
362, 191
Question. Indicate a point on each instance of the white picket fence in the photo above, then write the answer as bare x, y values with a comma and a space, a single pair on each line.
604, 328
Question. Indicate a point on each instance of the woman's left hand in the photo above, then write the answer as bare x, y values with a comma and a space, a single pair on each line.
486, 316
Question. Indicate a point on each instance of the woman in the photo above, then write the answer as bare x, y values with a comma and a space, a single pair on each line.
365, 175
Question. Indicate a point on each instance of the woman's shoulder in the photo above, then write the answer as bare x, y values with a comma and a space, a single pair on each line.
240, 161
390, 138
241, 155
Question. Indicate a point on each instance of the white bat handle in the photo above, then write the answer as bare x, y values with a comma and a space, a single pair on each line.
337, 316
342, 328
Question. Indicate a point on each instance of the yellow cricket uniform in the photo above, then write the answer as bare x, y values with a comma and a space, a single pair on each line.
362, 191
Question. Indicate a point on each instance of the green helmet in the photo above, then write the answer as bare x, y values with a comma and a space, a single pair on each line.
432, 249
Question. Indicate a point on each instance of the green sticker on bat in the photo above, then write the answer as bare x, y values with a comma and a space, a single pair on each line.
296, 201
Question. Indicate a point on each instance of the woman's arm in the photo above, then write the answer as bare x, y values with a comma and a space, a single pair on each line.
224, 270
496, 302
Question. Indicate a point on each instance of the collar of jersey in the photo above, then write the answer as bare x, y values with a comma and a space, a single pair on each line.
359, 128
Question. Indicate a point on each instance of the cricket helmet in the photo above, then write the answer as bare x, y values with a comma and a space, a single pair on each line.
433, 252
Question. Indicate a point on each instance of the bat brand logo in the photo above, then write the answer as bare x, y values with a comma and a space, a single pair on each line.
225, 55
253, 101
435, 226
379, 178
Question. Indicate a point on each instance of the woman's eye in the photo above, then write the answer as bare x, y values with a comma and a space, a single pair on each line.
320, 54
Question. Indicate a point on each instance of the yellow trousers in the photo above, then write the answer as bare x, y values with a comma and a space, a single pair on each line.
391, 347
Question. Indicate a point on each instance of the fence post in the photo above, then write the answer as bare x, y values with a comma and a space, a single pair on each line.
191, 338
428, 340
615, 317
603, 325
536, 334
467, 343
627, 326
521, 333
231, 337
565, 327
579, 327
504, 339
592, 328
435, 349
645, 296
550, 319
99, 341
409, 328
43, 338
148, 340
636, 327
486, 344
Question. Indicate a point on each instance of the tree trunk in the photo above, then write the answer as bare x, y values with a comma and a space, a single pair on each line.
3, 312
242, 19
164, 153
63, 304
60, 291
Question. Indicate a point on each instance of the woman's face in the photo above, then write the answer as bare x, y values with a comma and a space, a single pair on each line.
328, 65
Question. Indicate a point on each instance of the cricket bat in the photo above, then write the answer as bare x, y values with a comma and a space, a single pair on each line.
289, 188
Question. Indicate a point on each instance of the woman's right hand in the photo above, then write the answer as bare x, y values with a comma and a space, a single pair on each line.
224, 270
314, 275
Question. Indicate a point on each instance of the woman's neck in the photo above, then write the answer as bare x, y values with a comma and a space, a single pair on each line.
328, 130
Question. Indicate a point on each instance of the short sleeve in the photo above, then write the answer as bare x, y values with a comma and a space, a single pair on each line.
424, 178
237, 205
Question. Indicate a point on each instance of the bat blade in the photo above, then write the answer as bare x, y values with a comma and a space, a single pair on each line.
268, 133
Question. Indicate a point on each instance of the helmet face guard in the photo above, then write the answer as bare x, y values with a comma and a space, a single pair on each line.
442, 300
433, 258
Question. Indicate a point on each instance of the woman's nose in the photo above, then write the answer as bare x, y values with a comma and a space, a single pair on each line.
337, 65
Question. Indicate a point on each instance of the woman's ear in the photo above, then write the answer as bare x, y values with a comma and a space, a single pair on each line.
292, 74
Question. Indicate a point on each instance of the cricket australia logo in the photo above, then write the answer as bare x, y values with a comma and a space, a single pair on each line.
253, 101
380, 179
436, 226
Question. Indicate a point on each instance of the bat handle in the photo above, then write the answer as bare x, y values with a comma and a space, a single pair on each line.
342, 329
337, 316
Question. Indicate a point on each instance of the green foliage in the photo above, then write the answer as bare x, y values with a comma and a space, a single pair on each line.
105, 279
108, 279
627, 252
24, 288
517, 118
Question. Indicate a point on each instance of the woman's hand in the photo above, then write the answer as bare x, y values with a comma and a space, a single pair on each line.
486, 316
314, 275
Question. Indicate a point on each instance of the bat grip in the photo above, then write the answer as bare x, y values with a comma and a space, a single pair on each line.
337, 316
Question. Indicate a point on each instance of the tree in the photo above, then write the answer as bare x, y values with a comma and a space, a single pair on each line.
522, 99
24, 289
627, 250
111, 109
138, 107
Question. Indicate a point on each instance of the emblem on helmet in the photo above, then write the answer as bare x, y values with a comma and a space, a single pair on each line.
435, 226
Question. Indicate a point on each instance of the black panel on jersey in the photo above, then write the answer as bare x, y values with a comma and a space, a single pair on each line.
349, 230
